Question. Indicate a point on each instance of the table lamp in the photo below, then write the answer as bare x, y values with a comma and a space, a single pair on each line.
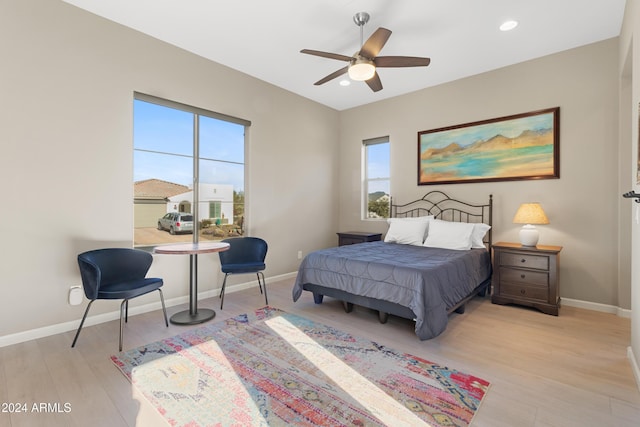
529, 214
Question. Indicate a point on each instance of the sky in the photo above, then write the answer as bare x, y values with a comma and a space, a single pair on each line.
378, 166
169, 134
163, 142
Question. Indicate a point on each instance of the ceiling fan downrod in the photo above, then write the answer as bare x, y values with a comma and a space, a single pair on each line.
360, 19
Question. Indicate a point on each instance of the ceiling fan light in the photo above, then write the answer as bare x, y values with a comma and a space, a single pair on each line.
361, 70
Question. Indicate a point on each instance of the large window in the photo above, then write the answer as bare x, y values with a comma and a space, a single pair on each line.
376, 180
186, 161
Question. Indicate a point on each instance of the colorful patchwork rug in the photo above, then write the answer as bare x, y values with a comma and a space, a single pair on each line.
270, 368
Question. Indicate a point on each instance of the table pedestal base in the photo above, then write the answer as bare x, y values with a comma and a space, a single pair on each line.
193, 316
186, 318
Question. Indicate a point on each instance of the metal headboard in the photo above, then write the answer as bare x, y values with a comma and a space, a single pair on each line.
443, 207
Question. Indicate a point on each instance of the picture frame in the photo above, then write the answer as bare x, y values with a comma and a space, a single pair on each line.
518, 147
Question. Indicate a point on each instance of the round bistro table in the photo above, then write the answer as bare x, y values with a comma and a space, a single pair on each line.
193, 315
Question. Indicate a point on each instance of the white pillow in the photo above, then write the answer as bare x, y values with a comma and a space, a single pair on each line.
449, 235
479, 230
407, 231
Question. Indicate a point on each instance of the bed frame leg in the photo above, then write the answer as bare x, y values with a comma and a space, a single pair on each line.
348, 306
460, 310
485, 291
317, 298
383, 317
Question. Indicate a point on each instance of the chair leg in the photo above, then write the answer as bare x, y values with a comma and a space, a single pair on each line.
264, 284
123, 306
224, 283
81, 323
126, 311
164, 309
259, 284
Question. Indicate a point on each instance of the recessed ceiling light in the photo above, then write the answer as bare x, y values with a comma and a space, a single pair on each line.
508, 25
345, 82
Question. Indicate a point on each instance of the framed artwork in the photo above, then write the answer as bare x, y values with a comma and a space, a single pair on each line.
519, 147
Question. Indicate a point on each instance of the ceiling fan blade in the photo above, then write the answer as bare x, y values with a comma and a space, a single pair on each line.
332, 76
326, 55
375, 43
374, 83
401, 61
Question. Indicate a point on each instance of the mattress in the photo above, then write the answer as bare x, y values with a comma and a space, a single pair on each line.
427, 280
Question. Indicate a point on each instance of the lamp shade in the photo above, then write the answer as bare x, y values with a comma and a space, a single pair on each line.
529, 214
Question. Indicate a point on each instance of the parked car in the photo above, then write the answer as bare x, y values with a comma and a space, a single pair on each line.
176, 222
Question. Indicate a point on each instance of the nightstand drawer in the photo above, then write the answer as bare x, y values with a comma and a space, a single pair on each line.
523, 291
527, 277
539, 262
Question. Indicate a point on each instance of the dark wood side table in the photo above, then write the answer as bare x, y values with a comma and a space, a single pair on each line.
527, 275
351, 237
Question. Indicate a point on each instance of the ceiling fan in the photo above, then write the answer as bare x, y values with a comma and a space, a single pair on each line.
362, 65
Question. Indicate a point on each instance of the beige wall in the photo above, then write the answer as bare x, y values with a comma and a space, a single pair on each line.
582, 205
66, 83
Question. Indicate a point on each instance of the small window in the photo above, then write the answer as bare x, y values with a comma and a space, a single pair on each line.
377, 178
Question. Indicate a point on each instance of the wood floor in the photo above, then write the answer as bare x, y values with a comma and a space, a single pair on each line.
570, 370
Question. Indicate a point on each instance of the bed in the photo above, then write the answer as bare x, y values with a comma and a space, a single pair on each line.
403, 277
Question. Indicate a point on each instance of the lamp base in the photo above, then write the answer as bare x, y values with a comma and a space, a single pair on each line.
529, 235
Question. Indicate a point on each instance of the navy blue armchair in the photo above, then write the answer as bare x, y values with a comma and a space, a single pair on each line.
117, 273
245, 255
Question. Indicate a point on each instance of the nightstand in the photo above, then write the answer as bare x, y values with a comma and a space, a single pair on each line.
526, 275
351, 237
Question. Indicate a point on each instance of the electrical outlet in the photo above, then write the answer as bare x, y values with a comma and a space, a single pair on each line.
299, 254
75, 295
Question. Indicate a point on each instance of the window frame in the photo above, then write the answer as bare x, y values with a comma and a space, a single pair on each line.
197, 113
366, 180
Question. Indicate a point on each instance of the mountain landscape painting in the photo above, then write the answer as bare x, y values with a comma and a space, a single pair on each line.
523, 146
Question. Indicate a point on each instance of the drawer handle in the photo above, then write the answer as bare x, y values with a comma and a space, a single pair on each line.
523, 260
522, 276
523, 291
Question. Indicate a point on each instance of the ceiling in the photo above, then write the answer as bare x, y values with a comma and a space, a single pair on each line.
264, 38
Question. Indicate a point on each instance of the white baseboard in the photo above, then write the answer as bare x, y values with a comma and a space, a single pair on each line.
114, 315
605, 308
634, 365
133, 310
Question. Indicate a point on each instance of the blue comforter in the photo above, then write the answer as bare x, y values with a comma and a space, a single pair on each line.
427, 280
